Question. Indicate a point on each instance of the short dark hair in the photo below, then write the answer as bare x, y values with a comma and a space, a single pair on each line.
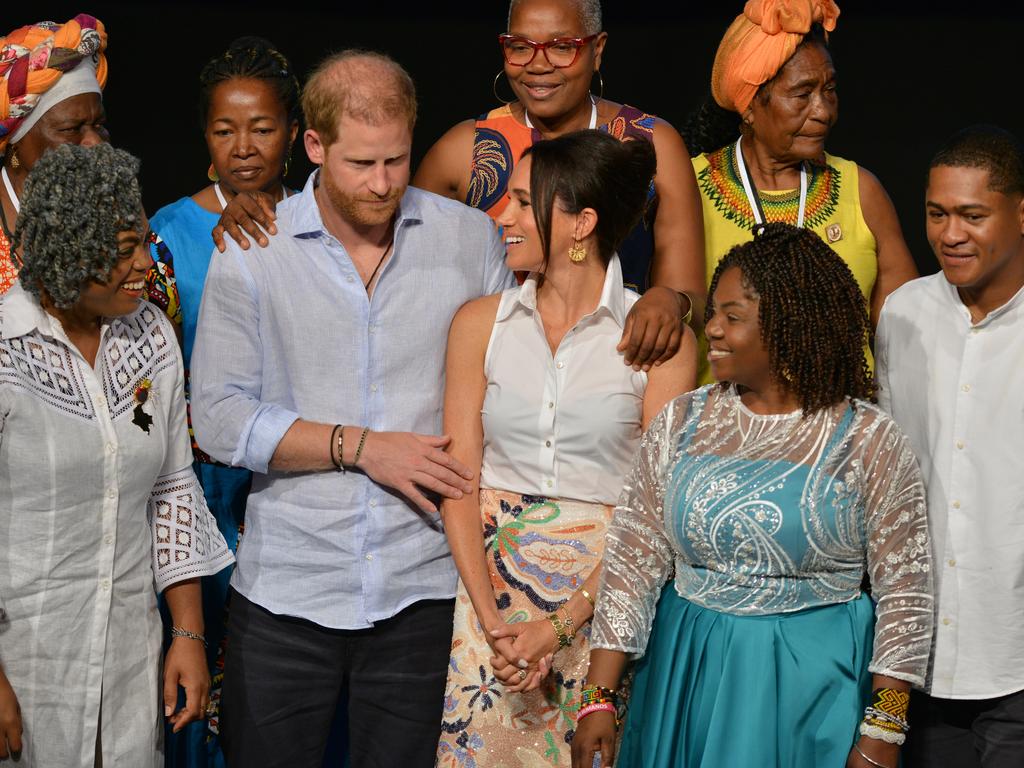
814, 320
255, 58
591, 169
76, 201
989, 148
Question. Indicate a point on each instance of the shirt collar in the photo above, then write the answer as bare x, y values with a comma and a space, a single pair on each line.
1016, 301
612, 302
21, 313
308, 222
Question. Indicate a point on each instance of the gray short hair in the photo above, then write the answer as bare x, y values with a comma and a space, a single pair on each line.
75, 203
588, 10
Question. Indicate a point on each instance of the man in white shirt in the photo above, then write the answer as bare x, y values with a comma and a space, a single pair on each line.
950, 364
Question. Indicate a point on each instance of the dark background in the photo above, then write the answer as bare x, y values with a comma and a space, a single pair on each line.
909, 73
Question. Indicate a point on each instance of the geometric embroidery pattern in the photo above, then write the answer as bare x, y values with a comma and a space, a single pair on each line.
721, 184
181, 525
47, 368
138, 348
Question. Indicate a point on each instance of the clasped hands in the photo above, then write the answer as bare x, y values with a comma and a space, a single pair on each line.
524, 647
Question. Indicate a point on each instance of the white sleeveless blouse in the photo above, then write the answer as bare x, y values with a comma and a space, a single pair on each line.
562, 426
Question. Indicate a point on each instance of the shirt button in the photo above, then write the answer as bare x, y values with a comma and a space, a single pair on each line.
111, 448
966, 387
105, 585
373, 502
108, 539
547, 443
946, 622
952, 563
960, 444
551, 405
550, 483
102, 400
350, 279
956, 505
111, 494
373, 387
561, 364
369, 557
975, 330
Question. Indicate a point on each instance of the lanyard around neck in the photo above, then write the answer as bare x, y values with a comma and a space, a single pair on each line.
10, 190
593, 115
755, 200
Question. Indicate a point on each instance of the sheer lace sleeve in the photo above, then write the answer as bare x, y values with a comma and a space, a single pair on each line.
186, 540
637, 556
898, 555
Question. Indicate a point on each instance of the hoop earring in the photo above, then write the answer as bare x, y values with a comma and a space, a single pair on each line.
211, 174
600, 83
578, 252
494, 88
287, 161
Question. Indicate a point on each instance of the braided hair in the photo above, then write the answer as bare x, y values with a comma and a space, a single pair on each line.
814, 320
711, 126
250, 57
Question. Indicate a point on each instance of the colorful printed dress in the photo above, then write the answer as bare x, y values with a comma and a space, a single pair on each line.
833, 211
182, 254
499, 141
8, 269
559, 434
762, 643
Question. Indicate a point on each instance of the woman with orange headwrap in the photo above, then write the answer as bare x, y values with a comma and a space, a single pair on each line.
759, 146
51, 78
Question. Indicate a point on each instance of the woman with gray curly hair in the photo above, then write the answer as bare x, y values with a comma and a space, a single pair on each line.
98, 500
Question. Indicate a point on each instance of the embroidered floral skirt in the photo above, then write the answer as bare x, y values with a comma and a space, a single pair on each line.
539, 551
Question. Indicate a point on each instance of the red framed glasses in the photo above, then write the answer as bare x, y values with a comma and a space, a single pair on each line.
560, 52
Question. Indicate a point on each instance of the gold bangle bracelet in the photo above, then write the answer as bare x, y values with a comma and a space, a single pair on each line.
589, 598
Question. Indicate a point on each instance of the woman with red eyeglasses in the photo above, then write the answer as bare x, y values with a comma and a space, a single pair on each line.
552, 59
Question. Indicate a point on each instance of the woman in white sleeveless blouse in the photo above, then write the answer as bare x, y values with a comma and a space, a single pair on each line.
539, 398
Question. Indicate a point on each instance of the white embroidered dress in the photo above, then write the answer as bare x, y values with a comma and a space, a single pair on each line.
96, 516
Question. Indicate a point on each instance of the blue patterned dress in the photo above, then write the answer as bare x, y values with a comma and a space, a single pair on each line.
760, 650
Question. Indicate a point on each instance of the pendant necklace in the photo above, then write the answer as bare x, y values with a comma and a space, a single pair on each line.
755, 199
380, 261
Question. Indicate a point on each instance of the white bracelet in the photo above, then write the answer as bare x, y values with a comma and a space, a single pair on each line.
889, 737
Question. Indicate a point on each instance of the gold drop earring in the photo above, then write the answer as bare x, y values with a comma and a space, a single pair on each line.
578, 252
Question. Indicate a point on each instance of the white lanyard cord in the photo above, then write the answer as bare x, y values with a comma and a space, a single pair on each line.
755, 203
10, 191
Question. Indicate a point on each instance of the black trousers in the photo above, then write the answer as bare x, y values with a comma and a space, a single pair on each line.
965, 733
284, 676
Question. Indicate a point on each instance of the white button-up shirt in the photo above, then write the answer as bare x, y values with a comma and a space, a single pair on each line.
563, 425
93, 511
956, 390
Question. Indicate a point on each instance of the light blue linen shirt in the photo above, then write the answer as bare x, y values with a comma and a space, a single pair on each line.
288, 332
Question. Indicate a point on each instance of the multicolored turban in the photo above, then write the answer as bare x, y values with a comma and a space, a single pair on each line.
759, 42
43, 64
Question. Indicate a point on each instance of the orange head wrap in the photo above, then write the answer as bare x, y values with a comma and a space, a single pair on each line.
34, 58
759, 42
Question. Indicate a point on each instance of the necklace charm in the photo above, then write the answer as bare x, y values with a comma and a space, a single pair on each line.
834, 233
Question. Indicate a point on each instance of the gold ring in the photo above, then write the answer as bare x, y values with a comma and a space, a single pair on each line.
211, 709
522, 674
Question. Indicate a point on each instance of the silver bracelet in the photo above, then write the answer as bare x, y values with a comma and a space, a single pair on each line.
179, 632
873, 762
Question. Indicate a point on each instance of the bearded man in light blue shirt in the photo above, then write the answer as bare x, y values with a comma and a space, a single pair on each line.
318, 364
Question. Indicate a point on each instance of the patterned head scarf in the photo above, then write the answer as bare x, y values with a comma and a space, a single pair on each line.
759, 42
43, 64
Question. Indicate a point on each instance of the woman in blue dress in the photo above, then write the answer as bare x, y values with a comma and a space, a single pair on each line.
249, 108
769, 495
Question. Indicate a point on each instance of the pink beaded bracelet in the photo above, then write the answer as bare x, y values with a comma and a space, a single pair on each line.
601, 706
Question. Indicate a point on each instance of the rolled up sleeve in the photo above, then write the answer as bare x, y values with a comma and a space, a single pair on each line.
231, 422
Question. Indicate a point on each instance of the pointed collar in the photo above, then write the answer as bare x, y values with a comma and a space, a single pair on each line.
612, 302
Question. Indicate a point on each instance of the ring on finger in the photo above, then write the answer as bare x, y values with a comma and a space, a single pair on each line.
522, 674
211, 709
